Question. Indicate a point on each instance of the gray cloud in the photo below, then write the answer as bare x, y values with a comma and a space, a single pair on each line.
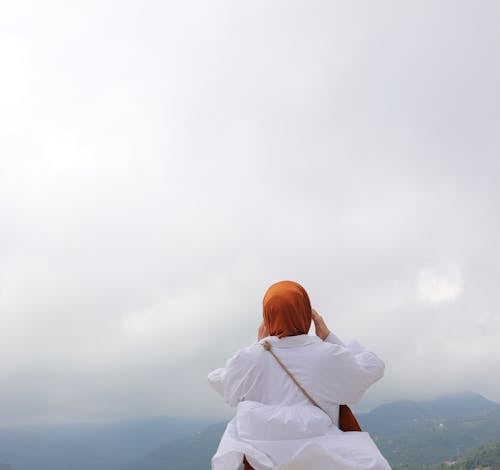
162, 164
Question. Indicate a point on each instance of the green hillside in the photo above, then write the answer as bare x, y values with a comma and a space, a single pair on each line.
425, 433
484, 458
411, 435
193, 453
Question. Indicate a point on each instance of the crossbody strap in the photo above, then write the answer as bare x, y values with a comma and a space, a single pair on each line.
267, 347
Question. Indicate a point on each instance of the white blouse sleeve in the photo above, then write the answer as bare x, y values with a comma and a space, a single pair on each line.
355, 367
216, 380
233, 381
331, 338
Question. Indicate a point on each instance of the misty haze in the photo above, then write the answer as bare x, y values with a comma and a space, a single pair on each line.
163, 163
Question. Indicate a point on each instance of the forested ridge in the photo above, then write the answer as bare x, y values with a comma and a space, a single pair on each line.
455, 431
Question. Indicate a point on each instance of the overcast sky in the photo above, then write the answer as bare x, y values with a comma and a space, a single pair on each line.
162, 163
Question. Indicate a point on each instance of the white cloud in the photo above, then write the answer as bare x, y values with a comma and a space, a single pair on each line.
439, 285
161, 164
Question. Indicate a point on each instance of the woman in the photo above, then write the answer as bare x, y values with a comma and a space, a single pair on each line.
276, 425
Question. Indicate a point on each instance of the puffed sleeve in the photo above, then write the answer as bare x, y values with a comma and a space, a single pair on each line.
355, 369
236, 379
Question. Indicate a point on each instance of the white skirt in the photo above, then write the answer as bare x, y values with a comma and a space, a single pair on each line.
293, 438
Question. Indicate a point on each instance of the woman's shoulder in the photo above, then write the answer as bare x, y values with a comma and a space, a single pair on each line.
256, 353
248, 354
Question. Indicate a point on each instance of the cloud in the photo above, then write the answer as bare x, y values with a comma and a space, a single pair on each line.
438, 287
161, 166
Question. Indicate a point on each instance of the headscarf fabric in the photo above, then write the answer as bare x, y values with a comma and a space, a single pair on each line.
287, 309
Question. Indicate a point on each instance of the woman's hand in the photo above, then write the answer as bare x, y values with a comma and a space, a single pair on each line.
319, 324
262, 332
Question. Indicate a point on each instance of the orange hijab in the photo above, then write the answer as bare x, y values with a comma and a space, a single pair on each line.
287, 309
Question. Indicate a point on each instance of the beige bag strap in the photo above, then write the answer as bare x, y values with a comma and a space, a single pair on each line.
267, 347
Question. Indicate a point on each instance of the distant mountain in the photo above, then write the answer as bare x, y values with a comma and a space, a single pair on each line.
89, 446
192, 453
411, 435
423, 433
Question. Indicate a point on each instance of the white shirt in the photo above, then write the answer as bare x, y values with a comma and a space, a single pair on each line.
275, 425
